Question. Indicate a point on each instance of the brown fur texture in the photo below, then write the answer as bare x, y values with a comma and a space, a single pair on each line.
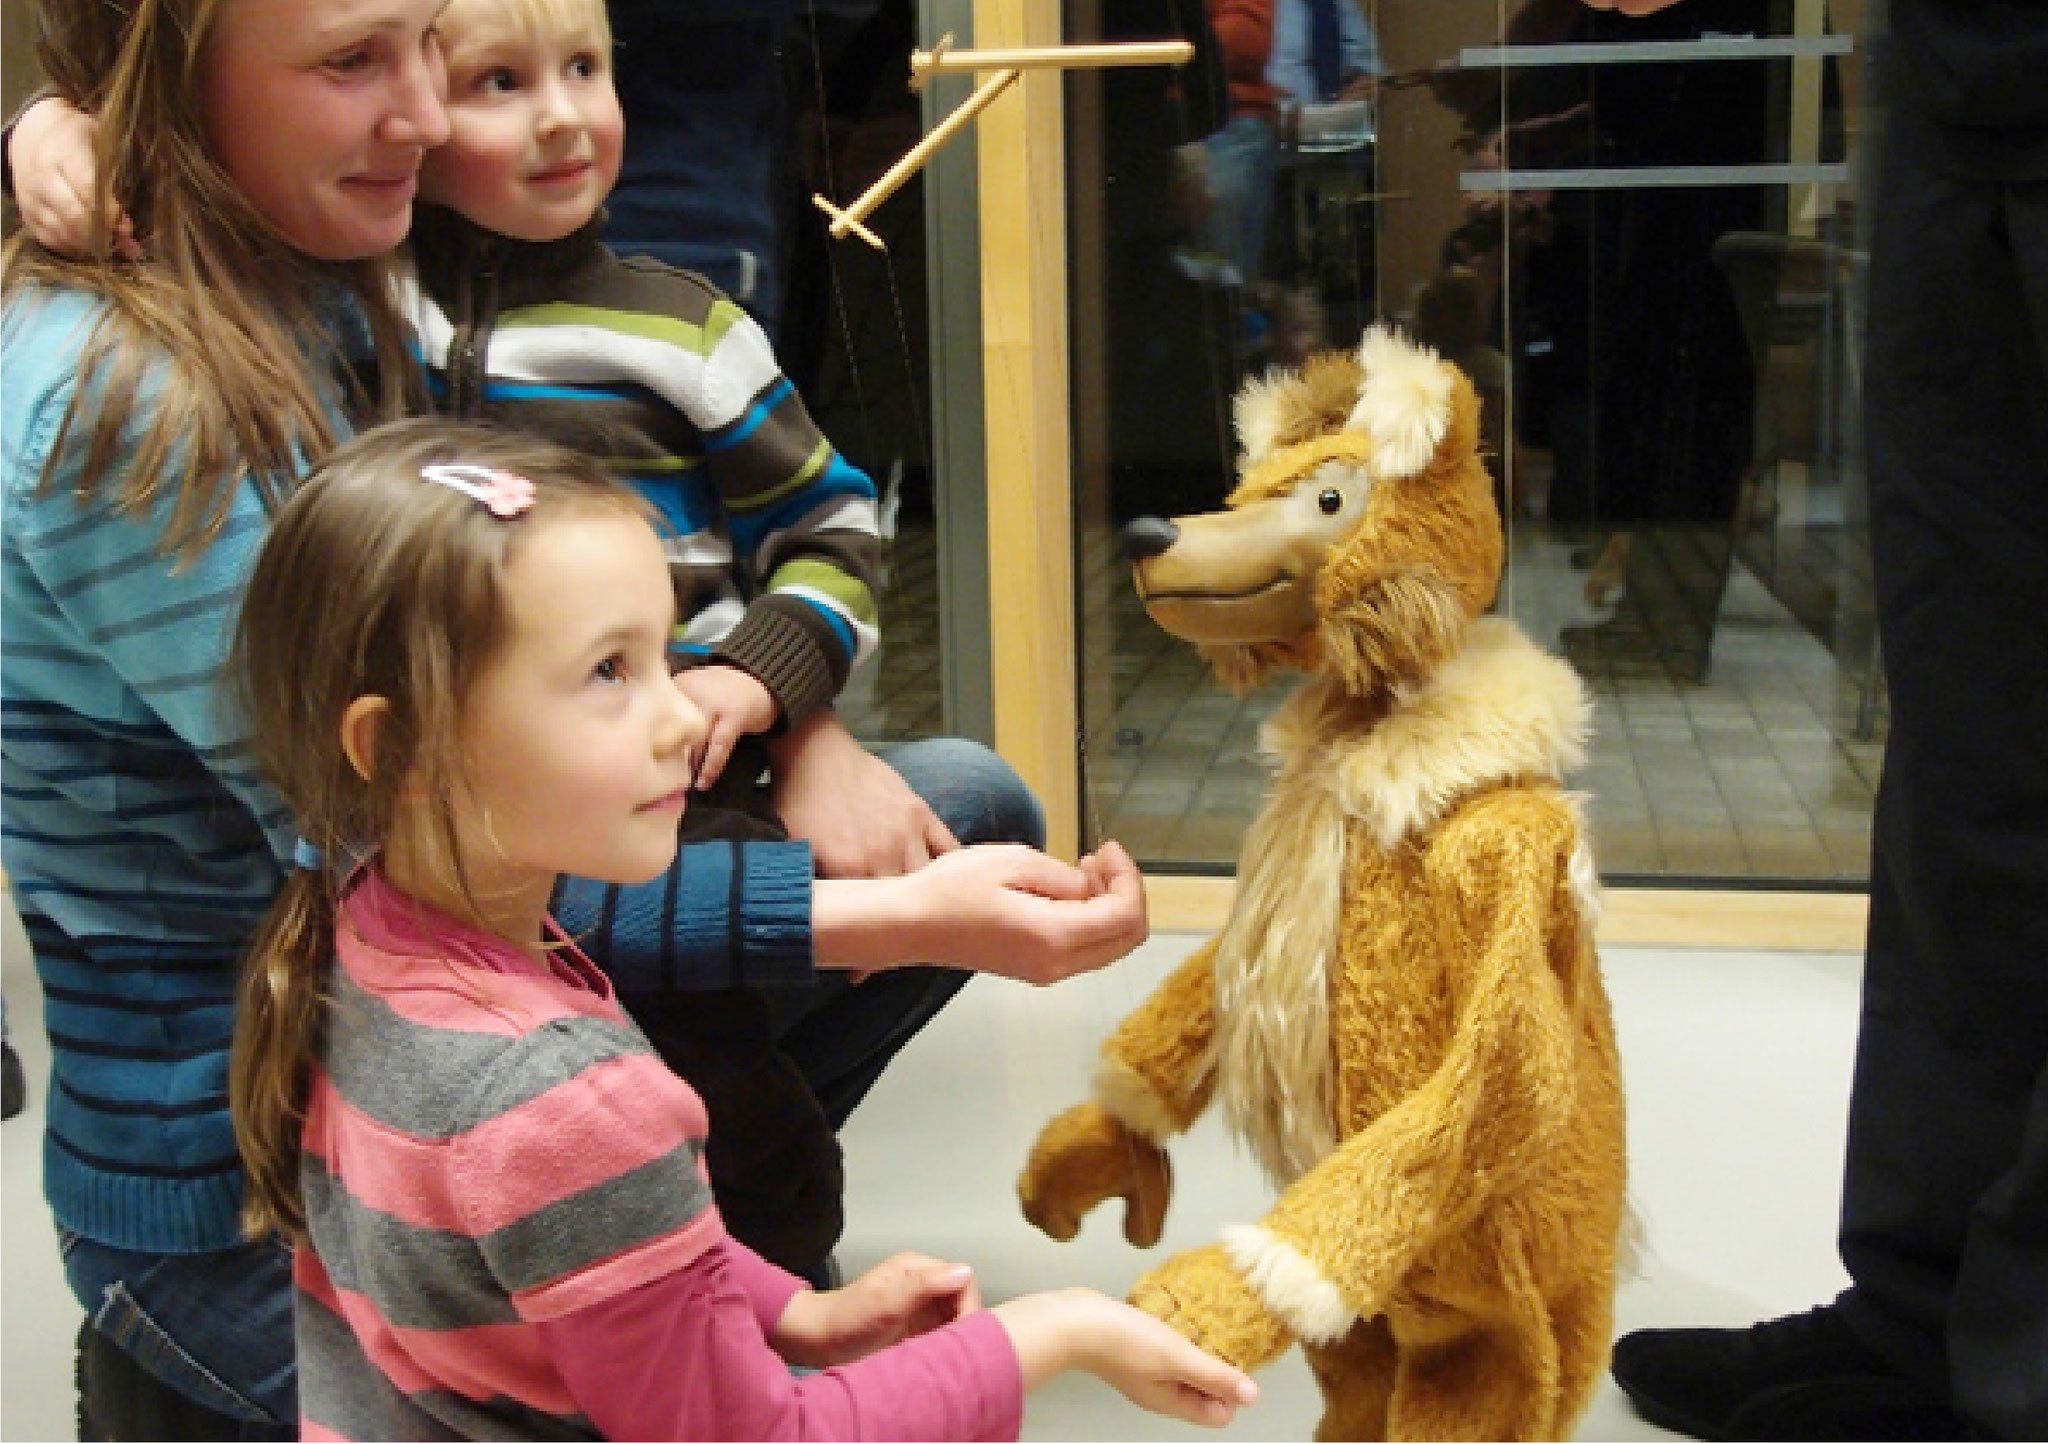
1403, 1016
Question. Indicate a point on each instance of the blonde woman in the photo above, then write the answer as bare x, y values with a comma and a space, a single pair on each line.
154, 412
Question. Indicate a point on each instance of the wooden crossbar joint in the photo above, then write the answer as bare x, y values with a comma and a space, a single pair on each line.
942, 58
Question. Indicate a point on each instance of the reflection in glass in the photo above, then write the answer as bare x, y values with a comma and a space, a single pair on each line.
1637, 238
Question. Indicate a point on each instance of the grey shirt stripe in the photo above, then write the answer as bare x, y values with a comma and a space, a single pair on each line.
424, 1081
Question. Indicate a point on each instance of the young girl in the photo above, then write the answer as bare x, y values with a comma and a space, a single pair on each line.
452, 661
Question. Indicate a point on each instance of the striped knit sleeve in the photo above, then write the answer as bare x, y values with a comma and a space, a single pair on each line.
579, 1171
726, 914
804, 525
803, 521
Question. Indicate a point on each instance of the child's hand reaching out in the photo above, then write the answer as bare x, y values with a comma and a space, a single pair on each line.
734, 704
1142, 1358
899, 1298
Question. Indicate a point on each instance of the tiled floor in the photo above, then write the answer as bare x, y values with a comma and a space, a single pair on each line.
1756, 770
1737, 1069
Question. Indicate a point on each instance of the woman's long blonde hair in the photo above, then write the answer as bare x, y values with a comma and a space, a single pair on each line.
223, 309
373, 582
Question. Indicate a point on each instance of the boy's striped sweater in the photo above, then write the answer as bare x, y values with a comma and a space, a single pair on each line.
771, 533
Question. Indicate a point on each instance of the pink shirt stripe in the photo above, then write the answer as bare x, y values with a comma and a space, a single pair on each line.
478, 1361
458, 1184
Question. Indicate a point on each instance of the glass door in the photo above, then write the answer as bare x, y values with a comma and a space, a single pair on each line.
1638, 237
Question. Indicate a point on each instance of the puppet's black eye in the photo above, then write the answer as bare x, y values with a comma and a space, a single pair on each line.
1331, 501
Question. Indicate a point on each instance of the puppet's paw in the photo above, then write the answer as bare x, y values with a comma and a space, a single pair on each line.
1085, 1156
1202, 1294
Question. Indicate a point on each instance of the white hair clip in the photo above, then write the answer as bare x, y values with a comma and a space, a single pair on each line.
506, 493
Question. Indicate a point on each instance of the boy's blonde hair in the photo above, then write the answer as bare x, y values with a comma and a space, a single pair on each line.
374, 582
525, 17
222, 308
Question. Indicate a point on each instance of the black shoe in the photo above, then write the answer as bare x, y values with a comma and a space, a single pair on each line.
1802, 1377
13, 1083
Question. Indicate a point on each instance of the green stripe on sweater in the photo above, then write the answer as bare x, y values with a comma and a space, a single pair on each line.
822, 576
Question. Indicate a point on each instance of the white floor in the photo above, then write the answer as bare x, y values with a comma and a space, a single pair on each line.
1738, 1069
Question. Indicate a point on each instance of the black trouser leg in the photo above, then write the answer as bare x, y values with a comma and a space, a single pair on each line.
1945, 1196
772, 1155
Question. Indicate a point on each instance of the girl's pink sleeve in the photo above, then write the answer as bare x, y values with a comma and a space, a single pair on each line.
769, 1287
685, 1357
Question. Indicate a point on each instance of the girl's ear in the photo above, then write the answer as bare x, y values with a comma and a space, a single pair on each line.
359, 726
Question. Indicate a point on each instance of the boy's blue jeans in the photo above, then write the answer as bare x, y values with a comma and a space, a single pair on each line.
842, 1035
216, 1327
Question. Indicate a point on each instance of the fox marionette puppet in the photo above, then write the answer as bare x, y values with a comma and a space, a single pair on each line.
1403, 1015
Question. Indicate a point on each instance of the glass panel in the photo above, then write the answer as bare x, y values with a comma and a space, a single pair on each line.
1637, 237
856, 334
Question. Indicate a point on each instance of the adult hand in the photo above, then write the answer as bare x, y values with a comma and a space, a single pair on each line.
50, 153
1000, 908
899, 1298
1016, 912
734, 704
856, 811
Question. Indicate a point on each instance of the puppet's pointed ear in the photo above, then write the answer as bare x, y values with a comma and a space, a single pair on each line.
1260, 413
1404, 404
1282, 407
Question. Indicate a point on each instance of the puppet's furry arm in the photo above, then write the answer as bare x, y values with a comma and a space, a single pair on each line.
1157, 1074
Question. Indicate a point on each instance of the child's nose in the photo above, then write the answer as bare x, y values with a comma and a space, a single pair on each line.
682, 727
557, 111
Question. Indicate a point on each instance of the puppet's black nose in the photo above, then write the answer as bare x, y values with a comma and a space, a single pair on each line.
1148, 536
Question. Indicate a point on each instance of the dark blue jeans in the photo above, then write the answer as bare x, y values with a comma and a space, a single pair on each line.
216, 1327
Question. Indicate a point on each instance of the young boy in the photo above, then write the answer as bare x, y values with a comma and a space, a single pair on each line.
525, 317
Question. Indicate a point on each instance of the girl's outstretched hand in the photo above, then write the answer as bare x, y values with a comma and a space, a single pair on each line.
899, 1298
1143, 1359
1157, 1369
50, 155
